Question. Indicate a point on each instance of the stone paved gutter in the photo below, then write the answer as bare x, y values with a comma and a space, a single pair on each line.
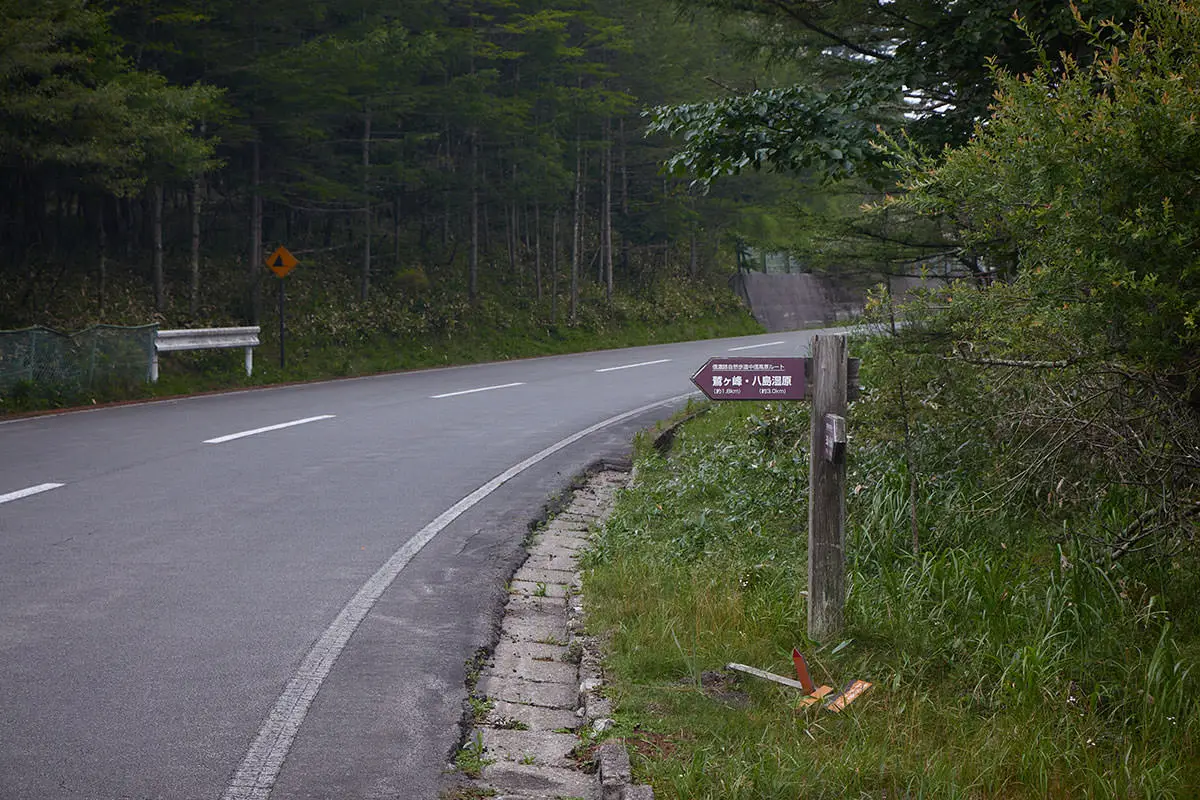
538, 702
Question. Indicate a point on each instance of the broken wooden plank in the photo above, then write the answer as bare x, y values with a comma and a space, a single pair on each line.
852, 693
767, 676
815, 697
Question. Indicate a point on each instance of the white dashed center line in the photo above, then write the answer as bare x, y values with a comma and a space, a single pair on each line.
631, 366
752, 346
32, 490
280, 426
473, 391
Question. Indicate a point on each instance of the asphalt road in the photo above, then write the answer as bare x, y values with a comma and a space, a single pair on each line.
286, 614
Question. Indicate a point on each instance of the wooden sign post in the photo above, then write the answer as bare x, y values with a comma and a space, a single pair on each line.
829, 379
827, 489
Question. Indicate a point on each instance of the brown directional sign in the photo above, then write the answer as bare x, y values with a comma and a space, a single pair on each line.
752, 378
281, 262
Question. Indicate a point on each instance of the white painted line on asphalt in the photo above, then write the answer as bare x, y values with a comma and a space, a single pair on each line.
32, 490
473, 391
752, 346
631, 366
279, 427
256, 776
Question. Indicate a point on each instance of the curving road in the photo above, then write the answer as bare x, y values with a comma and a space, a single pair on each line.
273, 593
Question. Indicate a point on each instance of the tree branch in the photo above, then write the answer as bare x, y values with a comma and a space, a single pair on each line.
1134, 533
804, 20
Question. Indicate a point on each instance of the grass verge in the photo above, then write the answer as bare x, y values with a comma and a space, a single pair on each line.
333, 337
1008, 662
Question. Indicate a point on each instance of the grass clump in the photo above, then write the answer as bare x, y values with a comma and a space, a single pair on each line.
1010, 658
472, 758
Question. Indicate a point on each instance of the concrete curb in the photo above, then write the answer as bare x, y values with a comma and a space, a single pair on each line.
539, 705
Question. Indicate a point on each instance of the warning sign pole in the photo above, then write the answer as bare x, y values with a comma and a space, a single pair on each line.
282, 339
281, 262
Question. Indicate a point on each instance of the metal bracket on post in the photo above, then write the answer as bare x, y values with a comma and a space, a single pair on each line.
835, 438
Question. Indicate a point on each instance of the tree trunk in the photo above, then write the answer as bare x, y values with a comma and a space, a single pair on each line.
445, 218
126, 225
625, 255
396, 211
473, 275
576, 231
365, 283
554, 269
510, 236
693, 255
102, 234
537, 249
197, 208
160, 294
486, 219
254, 269
511, 222
606, 214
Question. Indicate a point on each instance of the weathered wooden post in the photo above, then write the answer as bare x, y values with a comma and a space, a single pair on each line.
829, 379
827, 489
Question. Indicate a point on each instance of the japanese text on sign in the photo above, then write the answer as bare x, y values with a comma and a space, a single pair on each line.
741, 379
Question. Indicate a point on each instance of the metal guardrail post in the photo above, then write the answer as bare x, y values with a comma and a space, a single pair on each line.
205, 339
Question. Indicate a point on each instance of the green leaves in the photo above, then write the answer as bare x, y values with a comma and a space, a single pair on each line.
1083, 180
794, 129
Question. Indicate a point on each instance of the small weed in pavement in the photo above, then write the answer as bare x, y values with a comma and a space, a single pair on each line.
471, 759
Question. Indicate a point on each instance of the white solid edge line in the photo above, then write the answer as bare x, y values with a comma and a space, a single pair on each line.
473, 391
280, 426
32, 490
256, 776
752, 346
631, 366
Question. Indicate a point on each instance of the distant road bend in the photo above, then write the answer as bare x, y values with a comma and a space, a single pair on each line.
273, 593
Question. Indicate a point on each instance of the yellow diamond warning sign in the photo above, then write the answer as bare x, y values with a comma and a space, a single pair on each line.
281, 262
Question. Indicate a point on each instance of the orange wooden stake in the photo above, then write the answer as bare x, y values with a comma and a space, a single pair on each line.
847, 697
815, 697
802, 671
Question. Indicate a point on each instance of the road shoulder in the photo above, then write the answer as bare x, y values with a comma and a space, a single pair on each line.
537, 706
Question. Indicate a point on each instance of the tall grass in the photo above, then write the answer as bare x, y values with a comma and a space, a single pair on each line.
1009, 659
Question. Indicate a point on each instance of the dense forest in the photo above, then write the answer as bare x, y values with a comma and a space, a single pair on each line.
155, 151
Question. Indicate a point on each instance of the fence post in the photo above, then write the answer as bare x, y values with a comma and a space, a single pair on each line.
827, 490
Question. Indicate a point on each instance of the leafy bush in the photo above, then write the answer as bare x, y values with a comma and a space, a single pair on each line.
1082, 185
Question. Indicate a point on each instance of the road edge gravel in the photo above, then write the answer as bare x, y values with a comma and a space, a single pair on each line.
537, 707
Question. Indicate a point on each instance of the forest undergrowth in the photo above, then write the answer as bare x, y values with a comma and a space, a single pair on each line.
407, 323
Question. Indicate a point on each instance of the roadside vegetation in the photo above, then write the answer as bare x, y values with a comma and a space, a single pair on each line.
1024, 483
1014, 653
332, 335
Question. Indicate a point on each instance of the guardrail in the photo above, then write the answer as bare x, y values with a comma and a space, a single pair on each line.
205, 339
